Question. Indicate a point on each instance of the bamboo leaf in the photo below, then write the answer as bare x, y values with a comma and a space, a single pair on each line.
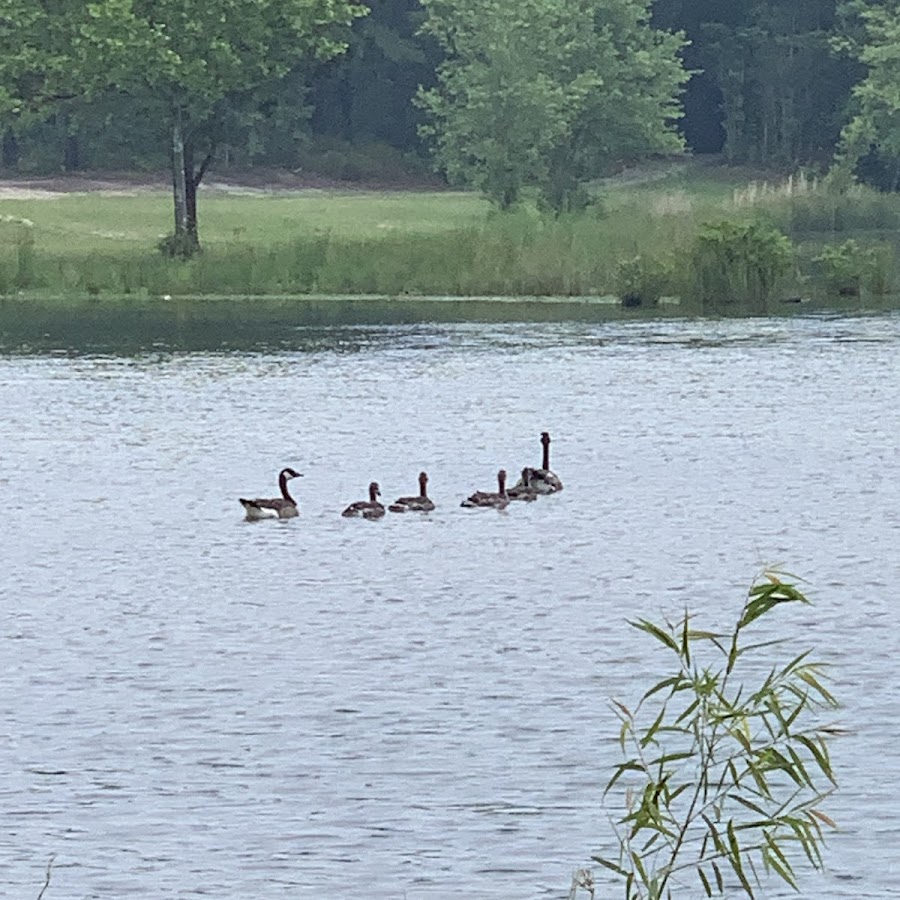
690, 709
741, 738
671, 757
714, 834
649, 845
698, 635
823, 818
809, 678
657, 632
799, 767
648, 735
639, 866
777, 859
705, 880
685, 640
720, 882
750, 805
777, 866
674, 682
801, 829
621, 769
609, 864
623, 733
734, 857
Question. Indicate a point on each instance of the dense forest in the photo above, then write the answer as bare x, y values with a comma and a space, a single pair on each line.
774, 83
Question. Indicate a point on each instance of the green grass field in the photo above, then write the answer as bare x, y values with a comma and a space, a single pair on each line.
405, 242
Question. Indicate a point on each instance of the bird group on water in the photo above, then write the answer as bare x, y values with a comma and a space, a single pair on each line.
532, 484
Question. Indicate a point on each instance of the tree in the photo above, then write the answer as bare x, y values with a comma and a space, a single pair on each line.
33, 55
189, 59
366, 94
783, 90
733, 766
875, 124
548, 93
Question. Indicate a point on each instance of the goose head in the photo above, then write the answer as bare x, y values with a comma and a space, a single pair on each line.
374, 492
423, 481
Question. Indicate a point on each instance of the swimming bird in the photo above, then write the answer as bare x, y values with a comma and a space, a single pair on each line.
543, 480
366, 509
524, 489
422, 503
498, 500
283, 507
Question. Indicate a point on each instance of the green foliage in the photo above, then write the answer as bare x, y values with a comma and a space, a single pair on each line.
365, 97
194, 53
645, 240
194, 59
849, 266
642, 280
738, 261
876, 122
35, 58
780, 83
546, 93
726, 762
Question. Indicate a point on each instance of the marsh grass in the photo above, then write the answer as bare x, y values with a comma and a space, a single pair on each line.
802, 205
637, 237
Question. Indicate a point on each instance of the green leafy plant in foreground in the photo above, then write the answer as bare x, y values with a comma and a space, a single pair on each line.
724, 785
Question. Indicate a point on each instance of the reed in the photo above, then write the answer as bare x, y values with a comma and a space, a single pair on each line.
802, 205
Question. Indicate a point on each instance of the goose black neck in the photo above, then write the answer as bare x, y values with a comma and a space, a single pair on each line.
282, 483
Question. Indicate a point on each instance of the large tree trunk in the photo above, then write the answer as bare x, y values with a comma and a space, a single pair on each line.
192, 178
184, 242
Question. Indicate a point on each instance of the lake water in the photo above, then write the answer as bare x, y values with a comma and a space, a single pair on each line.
415, 708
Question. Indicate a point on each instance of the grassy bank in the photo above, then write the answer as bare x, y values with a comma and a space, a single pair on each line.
428, 243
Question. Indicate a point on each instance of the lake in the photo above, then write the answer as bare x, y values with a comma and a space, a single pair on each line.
194, 705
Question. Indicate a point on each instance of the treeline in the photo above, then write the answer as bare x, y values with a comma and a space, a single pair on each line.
773, 83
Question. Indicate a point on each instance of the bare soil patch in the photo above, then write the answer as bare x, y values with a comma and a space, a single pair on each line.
246, 182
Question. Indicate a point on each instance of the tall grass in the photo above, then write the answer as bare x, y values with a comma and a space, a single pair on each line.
802, 206
409, 243
523, 253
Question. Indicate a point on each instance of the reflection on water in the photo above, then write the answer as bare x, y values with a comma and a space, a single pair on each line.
132, 325
417, 707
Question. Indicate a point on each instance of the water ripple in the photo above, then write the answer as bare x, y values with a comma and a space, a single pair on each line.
197, 705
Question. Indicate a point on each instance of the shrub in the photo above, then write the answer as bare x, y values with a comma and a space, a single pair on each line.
849, 266
738, 261
641, 280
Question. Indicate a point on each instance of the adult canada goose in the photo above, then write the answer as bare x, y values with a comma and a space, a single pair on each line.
366, 509
524, 489
283, 507
498, 500
543, 480
422, 503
